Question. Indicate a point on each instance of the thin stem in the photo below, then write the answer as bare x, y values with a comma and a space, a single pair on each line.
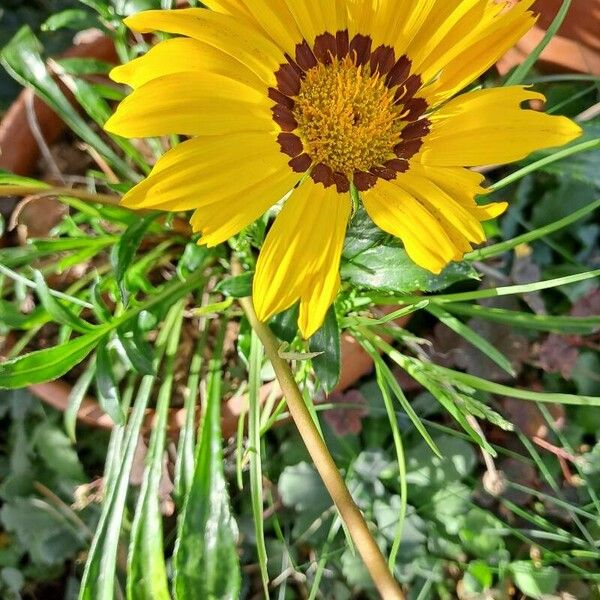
23, 190
353, 518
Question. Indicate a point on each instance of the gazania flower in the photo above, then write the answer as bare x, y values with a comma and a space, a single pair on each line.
319, 97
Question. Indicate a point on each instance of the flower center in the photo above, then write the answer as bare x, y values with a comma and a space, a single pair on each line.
347, 112
347, 118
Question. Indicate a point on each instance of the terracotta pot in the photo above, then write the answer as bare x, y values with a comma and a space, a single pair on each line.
576, 48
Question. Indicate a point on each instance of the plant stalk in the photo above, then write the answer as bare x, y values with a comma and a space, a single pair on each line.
22, 190
350, 513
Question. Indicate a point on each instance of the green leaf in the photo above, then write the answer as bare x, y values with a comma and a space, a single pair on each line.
327, 342
520, 73
184, 466
72, 18
362, 235
146, 569
472, 337
138, 351
126, 249
301, 488
237, 287
534, 583
285, 324
523, 320
206, 562
48, 364
254, 449
84, 66
44, 532
58, 453
99, 577
389, 269
14, 319
106, 385
60, 313
76, 397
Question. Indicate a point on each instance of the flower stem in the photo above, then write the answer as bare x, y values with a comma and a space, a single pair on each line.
23, 190
350, 513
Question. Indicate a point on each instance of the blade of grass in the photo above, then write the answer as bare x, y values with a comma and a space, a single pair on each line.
523, 320
521, 72
256, 486
205, 563
503, 390
473, 338
536, 234
389, 407
184, 465
146, 568
76, 397
511, 290
99, 577
547, 160
555, 487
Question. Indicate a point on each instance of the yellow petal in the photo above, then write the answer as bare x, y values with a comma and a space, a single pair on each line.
489, 126
314, 17
193, 103
275, 20
463, 38
396, 211
179, 55
232, 35
228, 215
464, 186
441, 204
206, 170
396, 23
301, 256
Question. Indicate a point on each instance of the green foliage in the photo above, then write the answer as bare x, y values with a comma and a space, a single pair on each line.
205, 562
127, 309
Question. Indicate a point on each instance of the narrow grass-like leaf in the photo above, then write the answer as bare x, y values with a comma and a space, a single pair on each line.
71, 18
184, 465
543, 162
503, 390
472, 337
99, 577
254, 440
127, 247
138, 351
76, 397
106, 385
511, 290
327, 365
394, 386
61, 314
523, 320
206, 563
521, 72
146, 568
18, 278
393, 420
532, 236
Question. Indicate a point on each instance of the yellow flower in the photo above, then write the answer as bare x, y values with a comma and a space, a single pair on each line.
312, 97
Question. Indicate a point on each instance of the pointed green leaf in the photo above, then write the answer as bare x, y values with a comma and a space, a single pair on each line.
206, 562
146, 569
327, 342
